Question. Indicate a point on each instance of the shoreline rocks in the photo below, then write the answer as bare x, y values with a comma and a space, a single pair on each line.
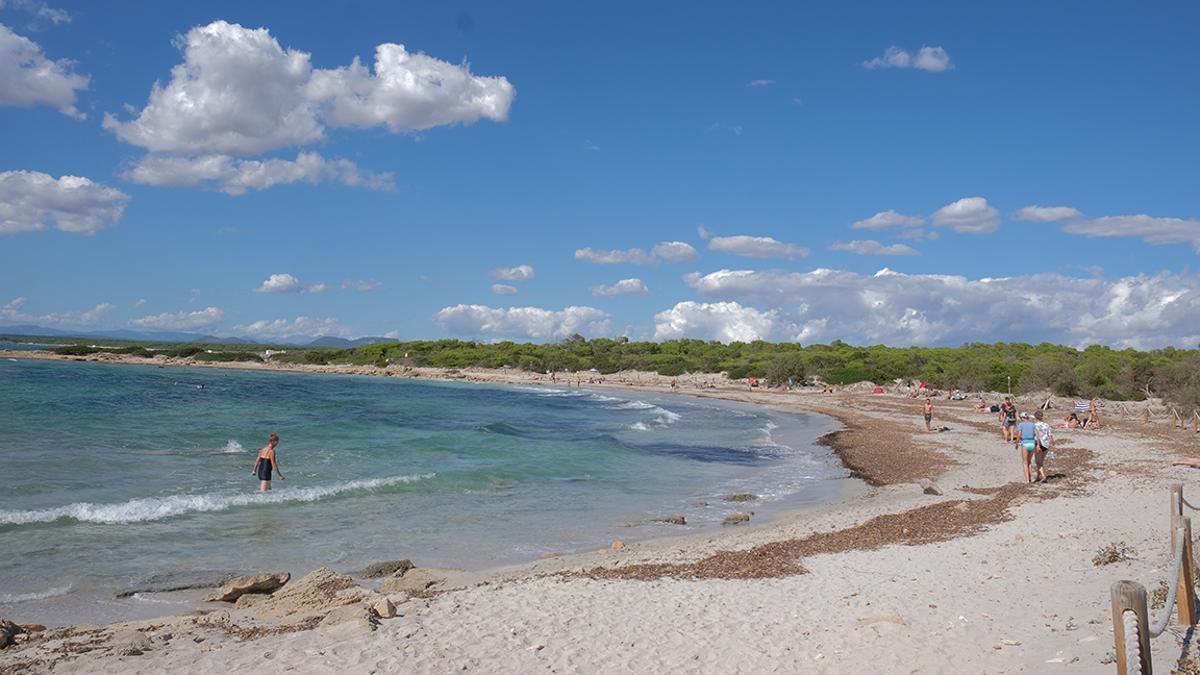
387, 569
741, 497
256, 583
737, 518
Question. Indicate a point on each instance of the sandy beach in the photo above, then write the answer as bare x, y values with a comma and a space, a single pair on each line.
941, 560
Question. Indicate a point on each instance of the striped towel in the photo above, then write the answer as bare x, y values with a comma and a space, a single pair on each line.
1083, 406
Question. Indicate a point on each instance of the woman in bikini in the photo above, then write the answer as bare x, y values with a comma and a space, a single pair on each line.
265, 462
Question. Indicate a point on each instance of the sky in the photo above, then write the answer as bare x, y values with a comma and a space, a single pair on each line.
927, 174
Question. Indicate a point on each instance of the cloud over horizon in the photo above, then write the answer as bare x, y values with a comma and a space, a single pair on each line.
30, 201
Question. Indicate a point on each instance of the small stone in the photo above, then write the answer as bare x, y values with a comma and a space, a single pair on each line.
928, 487
617, 545
672, 520
736, 519
384, 609
390, 568
352, 614
1009, 643
131, 643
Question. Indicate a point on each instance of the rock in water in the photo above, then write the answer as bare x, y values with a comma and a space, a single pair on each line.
736, 519
256, 583
618, 545
387, 569
384, 609
741, 497
672, 520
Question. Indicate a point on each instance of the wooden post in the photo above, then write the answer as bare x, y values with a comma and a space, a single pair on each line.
1185, 594
1176, 511
1131, 596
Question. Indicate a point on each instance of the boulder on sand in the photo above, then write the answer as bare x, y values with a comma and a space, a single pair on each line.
320, 590
255, 583
8, 632
387, 569
356, 615
250, 600
131, 642
385, 609
415, 580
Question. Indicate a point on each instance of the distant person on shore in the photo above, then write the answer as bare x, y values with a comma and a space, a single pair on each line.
1026, 435
928, 414
1008, 419
1093, 418
1045, 442
265, 462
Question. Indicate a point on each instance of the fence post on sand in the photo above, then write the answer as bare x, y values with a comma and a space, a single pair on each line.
1185, 595
1131, 596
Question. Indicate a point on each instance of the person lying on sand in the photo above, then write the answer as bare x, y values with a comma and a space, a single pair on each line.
265, 462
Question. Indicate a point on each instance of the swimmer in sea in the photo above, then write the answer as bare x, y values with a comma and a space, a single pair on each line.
265, 462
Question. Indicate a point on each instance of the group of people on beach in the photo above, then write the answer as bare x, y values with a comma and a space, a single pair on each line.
1031, 436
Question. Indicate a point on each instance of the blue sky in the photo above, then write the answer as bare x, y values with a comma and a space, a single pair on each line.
270, 193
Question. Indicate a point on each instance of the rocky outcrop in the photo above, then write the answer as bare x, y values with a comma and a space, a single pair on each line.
321, 590
416, 580
736, 518
672, 520
387, 569
9, 632
255, 583
356, 615
250, 600
741, 497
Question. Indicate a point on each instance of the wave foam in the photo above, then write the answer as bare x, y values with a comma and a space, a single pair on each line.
233, 447
7, 598
149, 509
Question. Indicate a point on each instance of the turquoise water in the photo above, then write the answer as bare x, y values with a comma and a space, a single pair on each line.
112, 474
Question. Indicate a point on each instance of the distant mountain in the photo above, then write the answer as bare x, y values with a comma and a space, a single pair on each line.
343, 343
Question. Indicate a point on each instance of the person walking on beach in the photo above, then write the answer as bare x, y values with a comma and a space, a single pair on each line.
1045, 442
265, 462
928, 414
1027, 443
1008, 419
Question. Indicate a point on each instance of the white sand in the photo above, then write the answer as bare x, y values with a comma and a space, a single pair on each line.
1022, 596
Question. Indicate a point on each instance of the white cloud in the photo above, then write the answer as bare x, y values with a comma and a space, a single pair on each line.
674, 251
529, 323
723, 321
318, 288
929, 59
704, 233
301, 327
622, 287
900, 309
970, 214
280, 283
872, 247
41, 10
28, 78
30, 201
518, 273
236, 176
238, 92
197, 320
1153, 230
757, 247
887, 219
760, 83
504, 289
1046, 214
140, 302
11, 313
635, 256
360, 285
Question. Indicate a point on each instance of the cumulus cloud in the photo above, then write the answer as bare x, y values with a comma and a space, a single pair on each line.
39, 10
872, 247
757, 247
238, 92
30, 201
12, 312
235, 176
886, 220
360, 285
1152, 230
971, 215
504, 289
622, 287
529, 323
28, 78
518, 273
926, 309
302, 327
723, 321
674, 251
1046, 214
929, 59
280, 283
197, 320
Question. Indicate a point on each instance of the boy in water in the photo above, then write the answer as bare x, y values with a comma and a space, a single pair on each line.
265, 462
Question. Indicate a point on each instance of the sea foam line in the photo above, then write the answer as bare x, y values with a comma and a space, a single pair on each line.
6, 598
147, 509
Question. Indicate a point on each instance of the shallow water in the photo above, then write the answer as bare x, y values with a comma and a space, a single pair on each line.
112, 474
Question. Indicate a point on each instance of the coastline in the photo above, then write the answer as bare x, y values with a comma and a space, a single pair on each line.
953, 567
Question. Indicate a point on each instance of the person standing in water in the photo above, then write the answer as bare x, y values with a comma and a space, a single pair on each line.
265, 462
928, 414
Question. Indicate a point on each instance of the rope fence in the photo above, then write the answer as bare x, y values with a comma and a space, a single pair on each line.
1132, 630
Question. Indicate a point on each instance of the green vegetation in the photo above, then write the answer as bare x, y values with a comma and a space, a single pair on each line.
1096, 371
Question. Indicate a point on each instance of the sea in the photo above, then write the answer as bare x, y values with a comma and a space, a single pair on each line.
118, 482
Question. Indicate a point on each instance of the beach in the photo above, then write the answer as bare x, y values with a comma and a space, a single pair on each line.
939, 559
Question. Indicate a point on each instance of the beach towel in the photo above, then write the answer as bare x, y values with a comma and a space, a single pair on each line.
1082, 406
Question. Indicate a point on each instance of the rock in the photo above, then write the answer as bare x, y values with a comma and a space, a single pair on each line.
350, 614
384, 609
672, 520
33, 627
131, 643
255, 583
320, 590
880, 618
250, 600
736, 519
387, 569
741, 497
928, 487
8, 632
414, 581
617, 545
